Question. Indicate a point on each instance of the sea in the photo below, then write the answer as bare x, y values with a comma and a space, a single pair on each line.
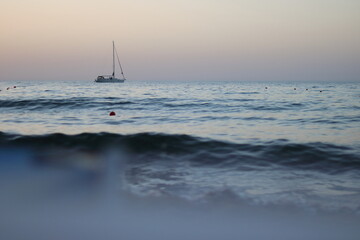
179, 160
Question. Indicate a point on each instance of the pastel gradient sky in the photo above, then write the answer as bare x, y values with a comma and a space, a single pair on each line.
249, 40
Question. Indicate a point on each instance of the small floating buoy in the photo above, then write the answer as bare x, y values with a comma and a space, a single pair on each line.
14, 86
112, 114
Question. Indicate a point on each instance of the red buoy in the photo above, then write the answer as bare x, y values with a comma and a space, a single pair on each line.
112, 114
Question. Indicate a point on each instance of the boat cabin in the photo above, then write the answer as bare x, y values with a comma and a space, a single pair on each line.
104, 77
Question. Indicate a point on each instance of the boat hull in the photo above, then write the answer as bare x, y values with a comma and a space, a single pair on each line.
114, 80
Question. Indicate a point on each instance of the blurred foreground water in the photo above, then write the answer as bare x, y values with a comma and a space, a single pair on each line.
151, 186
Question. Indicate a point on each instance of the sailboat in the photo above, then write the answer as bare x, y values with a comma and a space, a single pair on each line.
112, 78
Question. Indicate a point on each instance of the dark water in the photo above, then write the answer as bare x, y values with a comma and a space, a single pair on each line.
252, 146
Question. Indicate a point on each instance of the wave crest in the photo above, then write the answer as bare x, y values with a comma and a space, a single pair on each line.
200, 151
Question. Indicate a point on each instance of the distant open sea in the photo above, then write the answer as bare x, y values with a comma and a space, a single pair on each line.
257, 147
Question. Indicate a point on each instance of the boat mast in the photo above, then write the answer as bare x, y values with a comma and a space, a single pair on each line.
113, 59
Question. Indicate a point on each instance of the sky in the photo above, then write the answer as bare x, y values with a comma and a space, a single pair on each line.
216, 40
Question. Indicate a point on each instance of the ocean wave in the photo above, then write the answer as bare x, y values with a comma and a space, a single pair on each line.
42, 104
199, 152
